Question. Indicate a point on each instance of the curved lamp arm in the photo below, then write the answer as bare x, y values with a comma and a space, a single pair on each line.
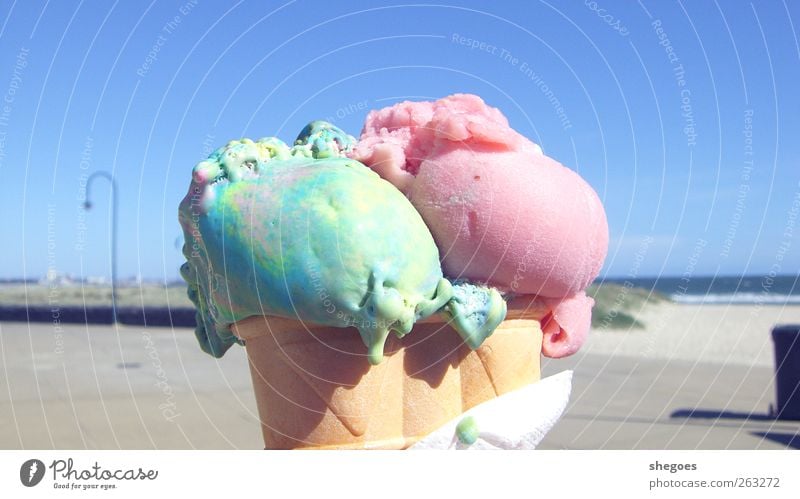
87, 205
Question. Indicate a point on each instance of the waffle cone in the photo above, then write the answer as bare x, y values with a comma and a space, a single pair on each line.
315, 388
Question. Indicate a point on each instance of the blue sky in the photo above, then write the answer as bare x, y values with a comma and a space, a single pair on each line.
682, 115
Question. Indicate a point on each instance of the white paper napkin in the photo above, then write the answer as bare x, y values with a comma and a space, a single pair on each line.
516, 420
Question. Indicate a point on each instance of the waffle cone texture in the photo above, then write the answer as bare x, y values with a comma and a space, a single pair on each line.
315, 388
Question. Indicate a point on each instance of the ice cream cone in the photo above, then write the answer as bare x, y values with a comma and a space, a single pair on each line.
315, 388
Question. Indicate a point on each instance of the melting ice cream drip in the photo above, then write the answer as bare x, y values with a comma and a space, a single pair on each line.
476, 311
386, 309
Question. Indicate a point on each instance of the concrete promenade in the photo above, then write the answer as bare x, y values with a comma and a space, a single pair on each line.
112, 387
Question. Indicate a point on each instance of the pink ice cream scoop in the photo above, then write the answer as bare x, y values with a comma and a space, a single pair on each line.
500, 211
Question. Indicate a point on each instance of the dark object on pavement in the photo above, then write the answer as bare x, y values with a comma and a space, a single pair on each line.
787, 371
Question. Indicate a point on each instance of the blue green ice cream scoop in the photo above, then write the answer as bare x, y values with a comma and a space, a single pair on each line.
305, 233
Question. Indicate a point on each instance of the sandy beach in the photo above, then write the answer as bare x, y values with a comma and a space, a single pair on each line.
725, 334
717, 333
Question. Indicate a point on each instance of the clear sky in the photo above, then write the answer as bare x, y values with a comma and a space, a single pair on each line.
682, 115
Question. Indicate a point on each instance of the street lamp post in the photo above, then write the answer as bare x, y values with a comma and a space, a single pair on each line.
88, 205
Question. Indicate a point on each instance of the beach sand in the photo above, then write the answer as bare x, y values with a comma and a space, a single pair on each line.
725, 334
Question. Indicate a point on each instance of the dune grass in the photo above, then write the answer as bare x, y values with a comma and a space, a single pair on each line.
148, 295
615, 305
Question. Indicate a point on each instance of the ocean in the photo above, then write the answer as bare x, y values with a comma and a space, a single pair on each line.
756, 289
